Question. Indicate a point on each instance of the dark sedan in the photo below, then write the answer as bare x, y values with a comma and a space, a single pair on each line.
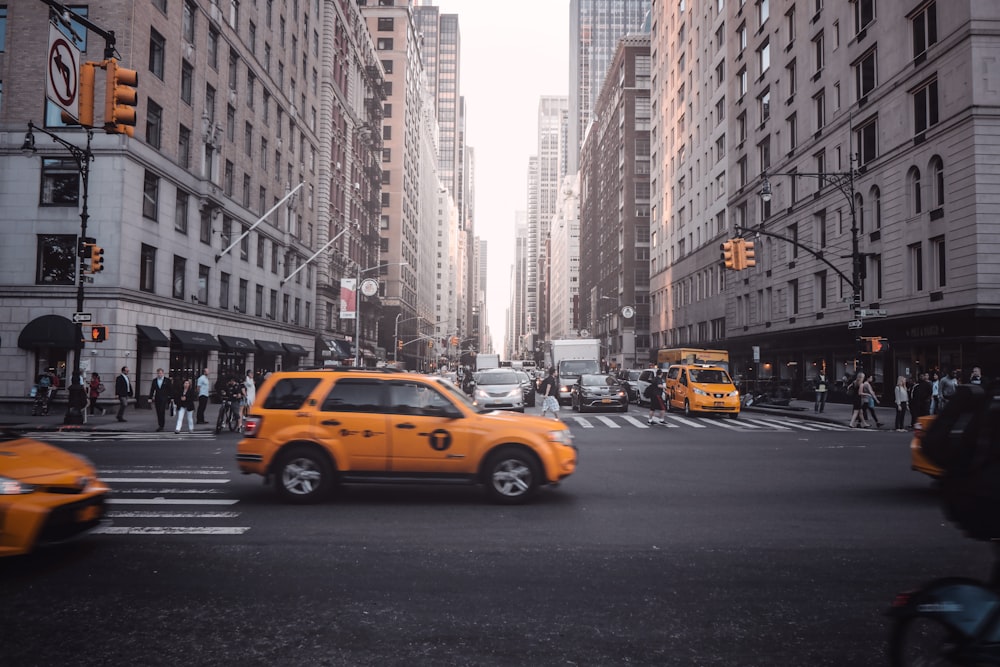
598, 392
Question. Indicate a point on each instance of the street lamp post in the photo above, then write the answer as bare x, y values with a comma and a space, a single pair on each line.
83, 157
357, 309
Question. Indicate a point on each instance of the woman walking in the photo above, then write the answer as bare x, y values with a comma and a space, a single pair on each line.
96, 387
858, 399
656, 403
185, 406
902, 401
869, 402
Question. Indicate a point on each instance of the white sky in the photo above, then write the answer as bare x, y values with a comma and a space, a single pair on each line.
513, 53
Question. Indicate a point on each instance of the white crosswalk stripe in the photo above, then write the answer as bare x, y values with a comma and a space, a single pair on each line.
609, 422
745, 422
103, 436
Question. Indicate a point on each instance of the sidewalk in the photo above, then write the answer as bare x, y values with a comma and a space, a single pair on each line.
833, 413
137, 420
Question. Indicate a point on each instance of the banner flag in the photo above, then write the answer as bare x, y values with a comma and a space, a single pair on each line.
348, 298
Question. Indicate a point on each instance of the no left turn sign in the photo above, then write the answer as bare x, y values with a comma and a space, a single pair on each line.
62, 74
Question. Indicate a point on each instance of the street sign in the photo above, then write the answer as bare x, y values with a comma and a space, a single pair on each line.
871, 312
82, 317
854, 324
62, 73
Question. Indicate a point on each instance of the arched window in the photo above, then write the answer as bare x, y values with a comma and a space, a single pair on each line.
876, 197
913, 180
937, 171
859, 211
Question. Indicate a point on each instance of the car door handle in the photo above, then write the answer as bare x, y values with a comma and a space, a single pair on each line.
331, 422
406, 425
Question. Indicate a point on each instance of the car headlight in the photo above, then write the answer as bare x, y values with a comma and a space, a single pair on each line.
480, 393
14, 487
562, 437
514, 393
733, 394
701, 392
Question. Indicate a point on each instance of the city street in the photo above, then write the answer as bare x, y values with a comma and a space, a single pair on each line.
669, 546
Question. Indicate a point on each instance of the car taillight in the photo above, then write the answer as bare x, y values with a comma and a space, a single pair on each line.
251, 426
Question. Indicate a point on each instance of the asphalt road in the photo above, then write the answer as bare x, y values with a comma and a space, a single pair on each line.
679, 546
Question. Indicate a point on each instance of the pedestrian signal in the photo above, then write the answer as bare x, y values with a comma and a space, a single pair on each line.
98, 333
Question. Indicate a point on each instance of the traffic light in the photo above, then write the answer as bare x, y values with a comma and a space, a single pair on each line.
729, 254
749, 256
120, 99
399, 345
96, 258
98, 333
430, 344
85, 99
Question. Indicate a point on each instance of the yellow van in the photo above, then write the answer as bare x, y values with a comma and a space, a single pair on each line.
701, 388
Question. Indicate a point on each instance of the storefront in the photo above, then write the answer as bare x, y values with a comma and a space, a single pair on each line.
233, 356
267, 356
148, 339
189, 352
293, 357
334, 350
52, 338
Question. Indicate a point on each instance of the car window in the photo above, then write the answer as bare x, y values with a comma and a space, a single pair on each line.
497, 378
290, 393
672, 373
354, 395
684, 378
414, 398
710, 376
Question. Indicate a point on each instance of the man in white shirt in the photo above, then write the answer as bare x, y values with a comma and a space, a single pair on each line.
203, 389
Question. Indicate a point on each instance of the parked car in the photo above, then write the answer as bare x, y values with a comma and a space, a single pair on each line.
629, 380
527, 388
309, 431
593, 391
499, 389
47, 495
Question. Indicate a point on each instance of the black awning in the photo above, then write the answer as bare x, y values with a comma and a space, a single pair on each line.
48, 331
269, 347
152, 336
192, 340
237, 344
339, 349
296, 350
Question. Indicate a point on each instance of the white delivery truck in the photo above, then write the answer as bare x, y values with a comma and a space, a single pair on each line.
484, 361
572, 357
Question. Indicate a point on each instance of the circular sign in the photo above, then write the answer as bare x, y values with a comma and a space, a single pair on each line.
628, 312
369, 287
63, 72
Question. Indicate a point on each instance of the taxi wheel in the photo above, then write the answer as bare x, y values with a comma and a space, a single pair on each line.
512, 476
303, 476
687, 408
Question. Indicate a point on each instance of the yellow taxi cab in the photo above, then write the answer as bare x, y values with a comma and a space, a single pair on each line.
47, 495
918, 461
701, 388
309, 431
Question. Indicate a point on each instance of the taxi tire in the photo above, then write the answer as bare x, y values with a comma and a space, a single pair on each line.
303, 462
511, 476
688, 412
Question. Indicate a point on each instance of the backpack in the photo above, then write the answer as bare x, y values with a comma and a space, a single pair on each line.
45, 381
650, 390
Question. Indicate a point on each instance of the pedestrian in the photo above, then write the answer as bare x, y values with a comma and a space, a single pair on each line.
654, 392
947, 386
856, 393
920, 398
77, 397
549, 390
821, 391
204, 386
160, 395
249, 393
123, 390
902, 397
935, 394
871, 400
976, 377
96, 389
184, 400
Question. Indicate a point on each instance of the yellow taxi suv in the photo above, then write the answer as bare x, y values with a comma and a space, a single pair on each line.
918, 461
310, 431
47, 495
703, 388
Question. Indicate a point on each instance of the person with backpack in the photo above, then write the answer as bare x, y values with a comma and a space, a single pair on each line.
946, 388
654, 394
549, 389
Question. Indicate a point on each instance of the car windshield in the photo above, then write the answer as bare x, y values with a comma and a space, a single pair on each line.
497, 378
577, 367
710, 376
597, 380
634, 375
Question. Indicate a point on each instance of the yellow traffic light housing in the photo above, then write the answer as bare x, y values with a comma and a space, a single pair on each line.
399, 345
749, 255
85, 98
98, 333
96, 258
729, 254
120, 99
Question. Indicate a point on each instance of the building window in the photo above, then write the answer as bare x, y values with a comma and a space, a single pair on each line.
764, 105
916, 201
940, 259
213, 49
150, 195
246, 190
157, 48
248, 139
60, 183
187, 81
181, 212
924, 30
875, 276
876, 198
866, 138
227, 184
224, 291
386, 24
820, 291
720, 110
180, 267
864, 14
764, 57
187, 22
818, 54
793, 298
866, 74
56, 261
763, 11
819, 109
203, 276
260, 251
741, 81
184, 146
241, 298
741, 127
272, 304
147, 268
258, 297
154, 123
790, 78
233, 68
764, 151
205, 228
244, 244
925, 107
741, 35
792, 124
251, 89
384, 44
937, 171
274, 257
916, 252
210, 104
230, 123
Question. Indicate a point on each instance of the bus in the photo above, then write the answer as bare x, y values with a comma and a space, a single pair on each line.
691, 355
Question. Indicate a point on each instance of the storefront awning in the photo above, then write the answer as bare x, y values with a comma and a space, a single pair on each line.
339, 349
237, 344
152, 336
296, 350
48, 331
192, 340
269, 347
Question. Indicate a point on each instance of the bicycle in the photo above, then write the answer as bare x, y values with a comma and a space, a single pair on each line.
229, 415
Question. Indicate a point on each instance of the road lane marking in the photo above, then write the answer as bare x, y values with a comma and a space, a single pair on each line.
689, 422
158, 514
635, 422
169, 501
766, 423
582, 422
170, 530
163, 480
610, 422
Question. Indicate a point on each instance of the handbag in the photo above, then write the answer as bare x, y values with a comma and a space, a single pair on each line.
100, 388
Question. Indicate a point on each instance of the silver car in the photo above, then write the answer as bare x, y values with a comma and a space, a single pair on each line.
498, 389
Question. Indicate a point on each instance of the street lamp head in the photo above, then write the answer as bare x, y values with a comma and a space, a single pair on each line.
765, 190
28, 147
